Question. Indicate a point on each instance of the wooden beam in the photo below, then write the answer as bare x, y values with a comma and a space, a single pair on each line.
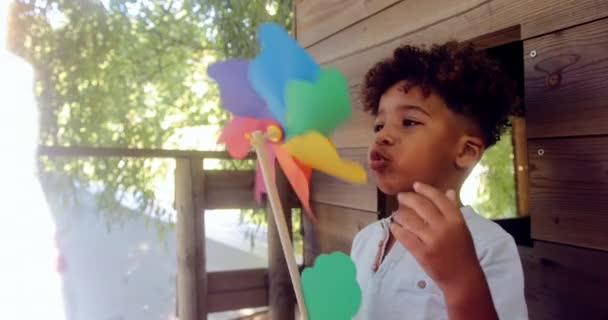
190, 232
230, 189
57, 151
520, 163
281, 298
233, 290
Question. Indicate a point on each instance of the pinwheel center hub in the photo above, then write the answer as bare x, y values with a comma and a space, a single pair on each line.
274, 133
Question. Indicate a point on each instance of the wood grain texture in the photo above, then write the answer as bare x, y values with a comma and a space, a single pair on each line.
232, 290
281, 295
404, 17
230, 189
318, 19
358, 131
567, 82
336, 229
564, 282
329, 190
569, 190
191, 274
480, 18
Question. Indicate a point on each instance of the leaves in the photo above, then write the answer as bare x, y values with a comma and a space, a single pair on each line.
130, 74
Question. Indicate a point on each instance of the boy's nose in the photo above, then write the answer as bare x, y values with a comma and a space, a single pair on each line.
383, 139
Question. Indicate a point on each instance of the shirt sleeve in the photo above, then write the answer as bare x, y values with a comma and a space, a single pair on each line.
501, 265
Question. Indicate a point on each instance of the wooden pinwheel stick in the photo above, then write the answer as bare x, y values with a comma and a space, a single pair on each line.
258, 142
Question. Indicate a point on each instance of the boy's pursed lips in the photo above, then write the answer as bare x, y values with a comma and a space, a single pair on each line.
378, 160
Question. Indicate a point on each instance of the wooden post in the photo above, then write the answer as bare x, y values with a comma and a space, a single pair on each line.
190, 229
520, 153
281, 298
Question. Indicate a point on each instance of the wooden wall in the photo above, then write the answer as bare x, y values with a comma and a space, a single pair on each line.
566, 94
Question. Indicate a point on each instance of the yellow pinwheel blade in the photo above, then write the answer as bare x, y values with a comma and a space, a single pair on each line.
315, 150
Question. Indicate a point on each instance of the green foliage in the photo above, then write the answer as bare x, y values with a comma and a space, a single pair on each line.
130, 74
496, 189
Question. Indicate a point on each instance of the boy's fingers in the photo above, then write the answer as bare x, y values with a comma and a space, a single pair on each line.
408, 219
424, 208
409, 240
438, 198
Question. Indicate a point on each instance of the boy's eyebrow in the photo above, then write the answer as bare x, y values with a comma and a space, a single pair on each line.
412, 107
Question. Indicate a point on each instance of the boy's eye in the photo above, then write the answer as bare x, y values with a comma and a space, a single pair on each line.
378, 127
410, 123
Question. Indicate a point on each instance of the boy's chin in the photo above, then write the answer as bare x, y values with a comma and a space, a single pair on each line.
391, 188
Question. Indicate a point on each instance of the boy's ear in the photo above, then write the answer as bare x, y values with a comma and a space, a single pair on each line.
470, 150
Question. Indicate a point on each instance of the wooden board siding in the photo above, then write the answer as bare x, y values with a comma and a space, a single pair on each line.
568, 119
567, 82
329, 190
569, 190
564, 282
468, 20
335, 231
358, 131
321, 18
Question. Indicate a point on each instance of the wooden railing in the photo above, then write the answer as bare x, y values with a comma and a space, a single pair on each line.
197, 190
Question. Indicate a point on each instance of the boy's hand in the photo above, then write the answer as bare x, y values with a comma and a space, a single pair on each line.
430, 225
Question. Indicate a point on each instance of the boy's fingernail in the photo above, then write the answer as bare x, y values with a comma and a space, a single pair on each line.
416, 185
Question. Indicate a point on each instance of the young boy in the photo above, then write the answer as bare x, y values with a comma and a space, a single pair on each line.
436, 111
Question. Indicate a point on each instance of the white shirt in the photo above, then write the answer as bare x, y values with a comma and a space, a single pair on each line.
400, 289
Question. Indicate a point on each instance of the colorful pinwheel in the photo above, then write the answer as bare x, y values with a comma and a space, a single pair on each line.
284, 93
286, 106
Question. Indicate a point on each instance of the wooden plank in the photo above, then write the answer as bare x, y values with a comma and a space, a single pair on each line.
520, 161
233, 290
318, 19
230, 189
536, 17
57, 151
281, 295
567, 82
564, 282
329, 190
358, 131
191, 275
569, 190
403, 17
335, 231
236, 300
237, 280
197, 174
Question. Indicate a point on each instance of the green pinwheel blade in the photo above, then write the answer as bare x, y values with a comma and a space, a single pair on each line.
321, 106
330, 288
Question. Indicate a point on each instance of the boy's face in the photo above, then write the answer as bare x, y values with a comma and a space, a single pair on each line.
417, 138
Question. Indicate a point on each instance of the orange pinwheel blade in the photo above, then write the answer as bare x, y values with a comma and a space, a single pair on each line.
298, 175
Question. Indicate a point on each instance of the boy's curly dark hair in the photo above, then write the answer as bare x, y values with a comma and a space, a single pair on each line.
470, 83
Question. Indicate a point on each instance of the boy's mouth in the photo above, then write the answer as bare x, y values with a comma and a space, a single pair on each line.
377, 161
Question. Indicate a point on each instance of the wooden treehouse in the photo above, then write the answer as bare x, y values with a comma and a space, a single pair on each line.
557, 49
